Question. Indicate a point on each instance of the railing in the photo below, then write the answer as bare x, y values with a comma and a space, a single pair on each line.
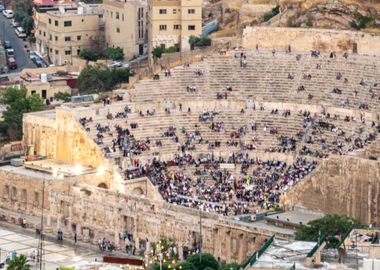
252, 260
344, 237
316, 247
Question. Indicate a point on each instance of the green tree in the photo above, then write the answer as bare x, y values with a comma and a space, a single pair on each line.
269, 15
172, 49
23, 14
185, 266
114, 53
99, 78
199, 41
157, 52
19, 262
66, 97
94, 79
17, 104
329, 226
229, 266
88, 55
203, 260
121, 75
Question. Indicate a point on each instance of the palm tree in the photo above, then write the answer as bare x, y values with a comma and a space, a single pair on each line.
19, 262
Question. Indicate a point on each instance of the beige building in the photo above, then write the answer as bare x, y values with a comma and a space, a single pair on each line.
125, 26
63, 33
172, 22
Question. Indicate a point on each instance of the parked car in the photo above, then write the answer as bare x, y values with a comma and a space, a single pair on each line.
10, 53
115, 64
8, 13
7, 44
20, 32
14, 23
2, 8
11, 62
39, 63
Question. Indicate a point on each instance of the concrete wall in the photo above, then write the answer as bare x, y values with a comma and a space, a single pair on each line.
342, 185
302, 39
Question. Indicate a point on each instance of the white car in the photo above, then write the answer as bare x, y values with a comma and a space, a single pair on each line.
8, 13
20, 32
115, 64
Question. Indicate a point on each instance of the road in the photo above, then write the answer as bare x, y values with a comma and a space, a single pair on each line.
22, 57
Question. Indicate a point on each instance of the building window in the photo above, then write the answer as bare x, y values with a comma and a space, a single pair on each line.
117, 30
51, 50
111, 14
33, 92
67, 23
24, 196
56, 52
191, 11
36, 201
56, 38
67, 38
44, 93
44, 34
67, 52
39, 32
177, 27
79, 37
163, 27
49, 21
162, 11
100, 16
174, 11
191, 27
78, 51
122, 17
6, 192
50, 37
117, 15
14, 194
56, 23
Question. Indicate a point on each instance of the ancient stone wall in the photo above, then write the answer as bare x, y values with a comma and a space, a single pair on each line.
343, 185
301, 39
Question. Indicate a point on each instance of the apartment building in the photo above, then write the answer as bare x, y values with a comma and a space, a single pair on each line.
62, 32
172, 22
125, 26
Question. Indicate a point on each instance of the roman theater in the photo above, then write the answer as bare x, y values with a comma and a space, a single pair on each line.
201, 152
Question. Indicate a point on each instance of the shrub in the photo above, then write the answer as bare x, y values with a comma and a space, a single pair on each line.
206, 260
270, 14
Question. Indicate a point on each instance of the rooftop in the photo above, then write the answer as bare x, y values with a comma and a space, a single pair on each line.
297, 217
284, 254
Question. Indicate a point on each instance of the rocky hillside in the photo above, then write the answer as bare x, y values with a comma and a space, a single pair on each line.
337, 14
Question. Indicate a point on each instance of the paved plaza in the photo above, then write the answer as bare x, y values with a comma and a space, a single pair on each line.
55, 255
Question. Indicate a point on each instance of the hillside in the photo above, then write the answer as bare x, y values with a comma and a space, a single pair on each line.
337, 14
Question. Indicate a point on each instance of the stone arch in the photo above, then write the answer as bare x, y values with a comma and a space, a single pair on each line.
103, 185
137, 191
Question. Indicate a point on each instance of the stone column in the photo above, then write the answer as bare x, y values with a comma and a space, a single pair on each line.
48, 227
86, 235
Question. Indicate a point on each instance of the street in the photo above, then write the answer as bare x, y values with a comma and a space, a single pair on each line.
7, 32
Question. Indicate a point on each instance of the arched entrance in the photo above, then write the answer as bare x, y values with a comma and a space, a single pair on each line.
103, 185
137, 191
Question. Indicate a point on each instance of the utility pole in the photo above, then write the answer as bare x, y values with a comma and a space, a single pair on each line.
200, 235
40, 244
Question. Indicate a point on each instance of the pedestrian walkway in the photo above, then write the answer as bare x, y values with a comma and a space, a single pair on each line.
55, 255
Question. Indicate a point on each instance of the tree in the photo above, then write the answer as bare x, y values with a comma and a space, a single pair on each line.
329, 226
88, 55
19, 262
206, 260
114, 53
185, 266
157, 52
121, 75
94, 79
199, 41
99, 78
66, 97
229, 266
17, 104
